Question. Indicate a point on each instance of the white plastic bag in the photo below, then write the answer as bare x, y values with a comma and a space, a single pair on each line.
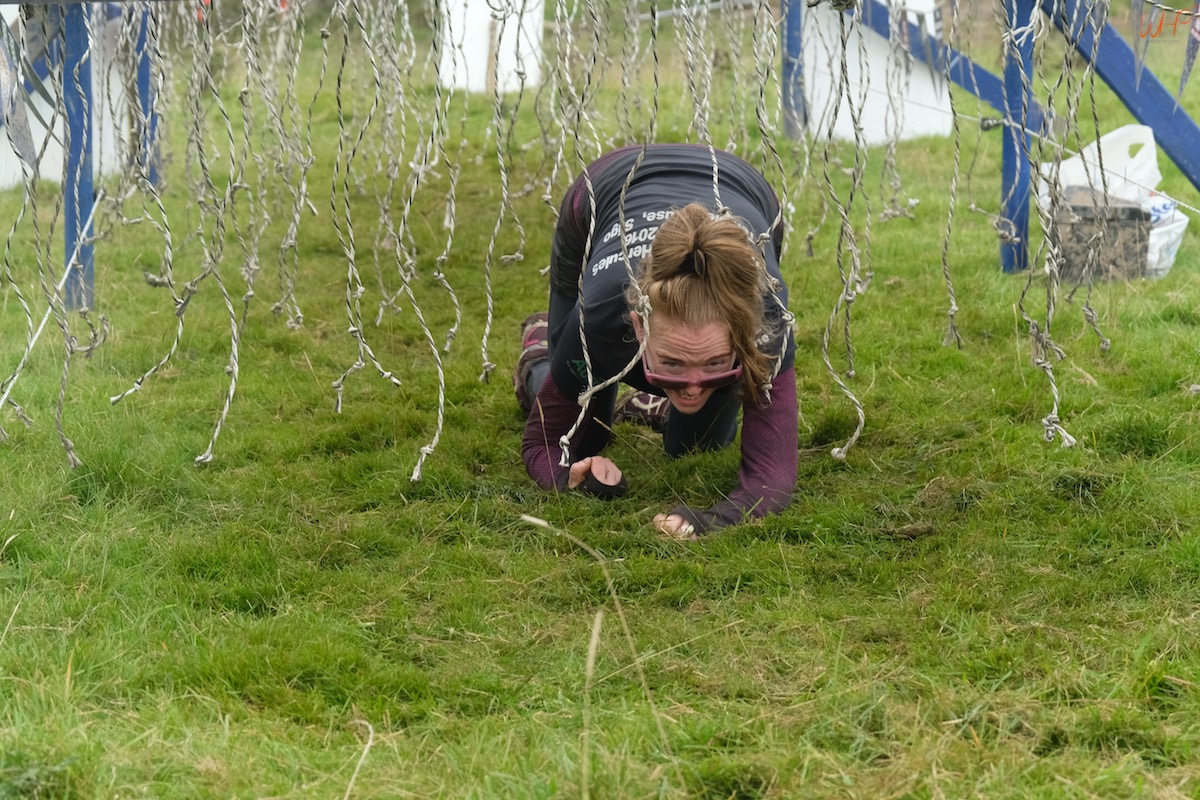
1167, 226
1130, 159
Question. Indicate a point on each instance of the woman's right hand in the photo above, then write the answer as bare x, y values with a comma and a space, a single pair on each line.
676, 527
601, 468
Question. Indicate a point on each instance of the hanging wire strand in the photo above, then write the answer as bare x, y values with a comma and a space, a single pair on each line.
247, 162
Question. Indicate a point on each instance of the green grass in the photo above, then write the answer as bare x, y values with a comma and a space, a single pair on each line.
958, 609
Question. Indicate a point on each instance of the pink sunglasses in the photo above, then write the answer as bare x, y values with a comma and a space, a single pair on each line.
715, 380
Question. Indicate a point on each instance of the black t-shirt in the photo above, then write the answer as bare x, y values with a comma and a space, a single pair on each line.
668, 177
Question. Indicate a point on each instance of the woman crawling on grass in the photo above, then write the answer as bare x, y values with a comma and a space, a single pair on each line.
709, 305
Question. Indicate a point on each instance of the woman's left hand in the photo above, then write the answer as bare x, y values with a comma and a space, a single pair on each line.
675, 527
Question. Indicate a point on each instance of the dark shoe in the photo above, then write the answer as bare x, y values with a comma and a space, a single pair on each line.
642, 408
534, 348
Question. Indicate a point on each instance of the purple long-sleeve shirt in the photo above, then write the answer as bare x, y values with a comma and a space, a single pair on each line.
615, 214
766, 478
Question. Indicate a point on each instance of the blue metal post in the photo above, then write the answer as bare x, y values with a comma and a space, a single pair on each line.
148, 155
77, 181
795, 113
1016, 171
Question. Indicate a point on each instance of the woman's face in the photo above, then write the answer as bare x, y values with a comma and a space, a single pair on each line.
689, 353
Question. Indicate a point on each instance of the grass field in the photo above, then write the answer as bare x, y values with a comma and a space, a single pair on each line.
958, 609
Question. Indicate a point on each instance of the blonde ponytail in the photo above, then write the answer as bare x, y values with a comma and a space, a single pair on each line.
702, 269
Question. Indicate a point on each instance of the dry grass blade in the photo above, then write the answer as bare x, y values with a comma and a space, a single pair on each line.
612, 592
